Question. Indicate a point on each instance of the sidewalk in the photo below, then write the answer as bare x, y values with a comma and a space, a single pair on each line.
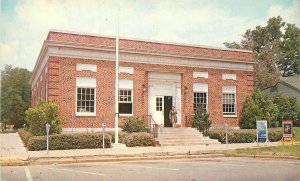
14, 153
12, 148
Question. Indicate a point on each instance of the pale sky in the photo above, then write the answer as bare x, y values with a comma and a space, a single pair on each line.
26, 23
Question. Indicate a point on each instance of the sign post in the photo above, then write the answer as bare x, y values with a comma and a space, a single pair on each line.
103, 131
287, 131
262, 132
47, 131
226, 133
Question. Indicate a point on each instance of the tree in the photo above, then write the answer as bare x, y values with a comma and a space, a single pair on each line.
201, 121
15, 95
286, 106
273, 51
44, 112
290, 61
259, 107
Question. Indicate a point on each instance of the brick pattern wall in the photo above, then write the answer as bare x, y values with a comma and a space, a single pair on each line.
139, 45
62, 89
39, 90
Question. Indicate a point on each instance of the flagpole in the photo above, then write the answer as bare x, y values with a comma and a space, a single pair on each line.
117, 79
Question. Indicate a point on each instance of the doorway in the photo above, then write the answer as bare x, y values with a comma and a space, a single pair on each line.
167, 107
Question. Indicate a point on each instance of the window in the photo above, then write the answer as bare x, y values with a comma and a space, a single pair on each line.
200, 99
229, 100
159, 104
86, 100
125, 97
125, 101
85, 96
200, 95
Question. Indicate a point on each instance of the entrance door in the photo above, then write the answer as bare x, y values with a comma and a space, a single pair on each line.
167, 108
159, 109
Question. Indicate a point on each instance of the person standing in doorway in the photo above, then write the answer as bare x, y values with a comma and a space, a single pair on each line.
173, 116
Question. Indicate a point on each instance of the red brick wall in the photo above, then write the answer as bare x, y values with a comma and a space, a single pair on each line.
146, 46
62, 75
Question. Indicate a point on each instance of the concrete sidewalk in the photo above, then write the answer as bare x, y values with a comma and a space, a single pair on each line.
14, 153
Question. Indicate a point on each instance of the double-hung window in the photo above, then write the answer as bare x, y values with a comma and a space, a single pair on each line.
200, 96
229, 100
86, 96
125, 97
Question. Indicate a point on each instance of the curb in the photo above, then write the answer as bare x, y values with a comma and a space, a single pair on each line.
264, 156
14, 161
89, 159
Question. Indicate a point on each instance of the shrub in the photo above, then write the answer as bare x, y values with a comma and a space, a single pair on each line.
258, 107
287, 108
133, 124
139, 139
135, 139
201, 121
243, 135
44, 112
24, 135
69, 141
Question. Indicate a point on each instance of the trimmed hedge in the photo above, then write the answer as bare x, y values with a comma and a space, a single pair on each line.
139, 139
69, 141
24, 135
135, 139
243, 135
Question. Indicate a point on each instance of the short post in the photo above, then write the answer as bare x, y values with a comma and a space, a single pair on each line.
226, 127
47, 131
103, 130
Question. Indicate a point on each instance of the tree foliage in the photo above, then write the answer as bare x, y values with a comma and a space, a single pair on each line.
274, 52
201, 121
286, 106
44, 112
259, 107
289, 63
15, 95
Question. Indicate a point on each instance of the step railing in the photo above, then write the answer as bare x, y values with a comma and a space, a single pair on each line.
152, 125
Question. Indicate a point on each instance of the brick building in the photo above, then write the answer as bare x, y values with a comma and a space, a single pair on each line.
78, 71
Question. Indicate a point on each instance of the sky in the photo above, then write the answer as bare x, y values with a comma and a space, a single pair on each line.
24, 24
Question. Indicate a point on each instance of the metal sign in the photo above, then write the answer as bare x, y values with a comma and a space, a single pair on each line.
262, 131
287, 131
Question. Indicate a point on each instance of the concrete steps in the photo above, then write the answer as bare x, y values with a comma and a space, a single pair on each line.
183, 136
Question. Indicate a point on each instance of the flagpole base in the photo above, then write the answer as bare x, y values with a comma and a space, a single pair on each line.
118, 145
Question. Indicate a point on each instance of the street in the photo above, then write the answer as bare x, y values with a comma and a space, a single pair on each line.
181, 169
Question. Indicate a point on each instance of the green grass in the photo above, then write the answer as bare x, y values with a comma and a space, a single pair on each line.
297, 133
273, 151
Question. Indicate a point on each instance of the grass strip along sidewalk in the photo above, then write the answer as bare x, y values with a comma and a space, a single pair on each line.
286, 151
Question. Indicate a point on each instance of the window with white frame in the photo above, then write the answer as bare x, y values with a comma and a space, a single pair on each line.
125, 97
159, 101
229, 100
200, 95
86, 96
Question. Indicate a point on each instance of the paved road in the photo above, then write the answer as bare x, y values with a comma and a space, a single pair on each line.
185, 169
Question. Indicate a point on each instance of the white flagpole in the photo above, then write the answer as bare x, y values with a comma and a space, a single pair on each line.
117, 79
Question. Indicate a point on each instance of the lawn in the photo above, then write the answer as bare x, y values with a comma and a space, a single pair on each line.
273, 151
297, 133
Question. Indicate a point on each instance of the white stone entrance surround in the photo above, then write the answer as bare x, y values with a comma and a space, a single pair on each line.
164, 84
